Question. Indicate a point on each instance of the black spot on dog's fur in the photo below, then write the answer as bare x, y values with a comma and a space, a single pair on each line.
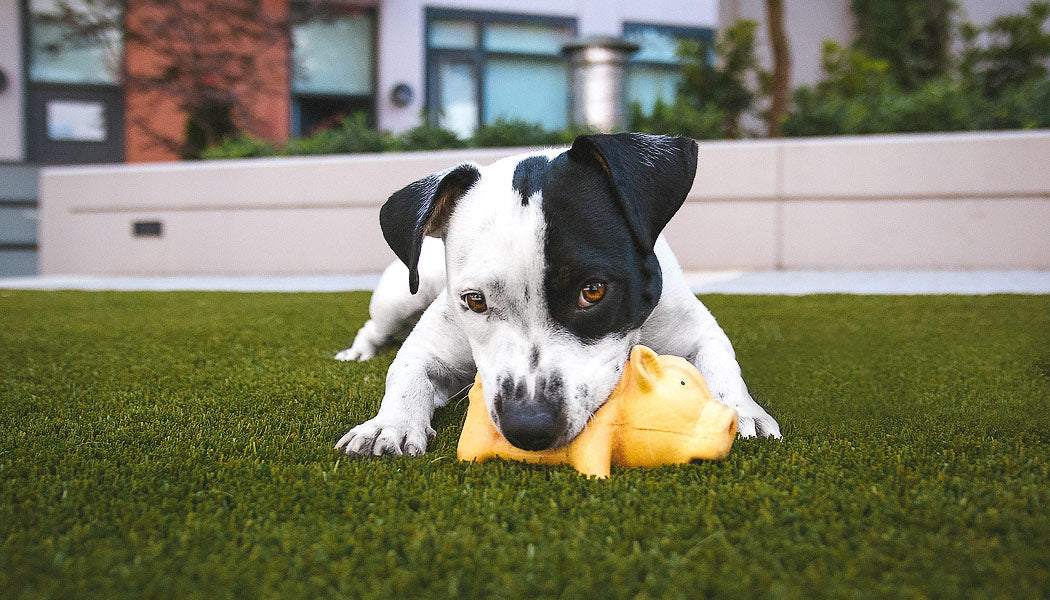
528, 177
583, 390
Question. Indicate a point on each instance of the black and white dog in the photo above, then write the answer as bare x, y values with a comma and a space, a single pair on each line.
553, 268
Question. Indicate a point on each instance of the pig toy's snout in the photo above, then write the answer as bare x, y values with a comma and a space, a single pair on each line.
729, 419
715, 431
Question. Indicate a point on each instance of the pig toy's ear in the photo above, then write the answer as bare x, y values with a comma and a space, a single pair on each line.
646, 368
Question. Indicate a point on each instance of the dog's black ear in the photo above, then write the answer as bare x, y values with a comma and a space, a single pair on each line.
423, 208
650, 176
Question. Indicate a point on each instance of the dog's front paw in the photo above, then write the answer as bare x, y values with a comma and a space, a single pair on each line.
761, 426
755, 421
353, 353
361, 350
385, 436
366, 343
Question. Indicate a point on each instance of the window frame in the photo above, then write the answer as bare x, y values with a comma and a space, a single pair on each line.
703, 34
37, 146
478, 57
369, 100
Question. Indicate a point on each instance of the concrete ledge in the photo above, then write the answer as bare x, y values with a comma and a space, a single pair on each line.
707, 282
939, 201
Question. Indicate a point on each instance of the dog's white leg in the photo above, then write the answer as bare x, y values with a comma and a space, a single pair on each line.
717, 362
708, 347
393, 309
433, 363
683, 326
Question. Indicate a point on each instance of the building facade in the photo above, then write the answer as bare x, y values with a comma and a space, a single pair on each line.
126, 90
102, 81
97, 81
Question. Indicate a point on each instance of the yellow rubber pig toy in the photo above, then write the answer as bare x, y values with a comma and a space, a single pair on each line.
661, 412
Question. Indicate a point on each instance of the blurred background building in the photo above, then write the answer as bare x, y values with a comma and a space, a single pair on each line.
96, 81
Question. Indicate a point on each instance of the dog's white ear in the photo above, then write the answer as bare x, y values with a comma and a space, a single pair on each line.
650, 176
422, 208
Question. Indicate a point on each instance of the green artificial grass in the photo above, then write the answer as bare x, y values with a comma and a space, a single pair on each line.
180, 445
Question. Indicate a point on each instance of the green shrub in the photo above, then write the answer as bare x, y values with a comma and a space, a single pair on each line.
330, 141
714, 94
722, 86
1016, 54
1025, 106
913, 36
680, 118
240, 146
1002, 84
353, 134
426, 137
514, 132
851, 99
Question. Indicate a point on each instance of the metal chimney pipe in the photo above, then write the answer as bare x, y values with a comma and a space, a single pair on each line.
598, 65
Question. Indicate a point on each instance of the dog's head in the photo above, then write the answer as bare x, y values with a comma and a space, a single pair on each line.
550, 268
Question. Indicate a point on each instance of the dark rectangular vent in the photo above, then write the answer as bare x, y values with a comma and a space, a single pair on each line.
147, 229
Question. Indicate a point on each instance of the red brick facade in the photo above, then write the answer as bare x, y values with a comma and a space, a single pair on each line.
178, 53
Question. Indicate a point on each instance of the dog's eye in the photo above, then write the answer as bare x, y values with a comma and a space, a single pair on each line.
591, 293
475, 301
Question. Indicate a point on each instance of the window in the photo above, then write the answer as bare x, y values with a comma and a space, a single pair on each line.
74, 102
75, 42
655, 69
333, 66
485, 66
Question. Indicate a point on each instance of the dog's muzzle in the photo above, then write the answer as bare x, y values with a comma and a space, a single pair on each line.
531, 422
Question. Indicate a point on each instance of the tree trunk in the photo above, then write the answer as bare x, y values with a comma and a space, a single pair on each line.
780, 81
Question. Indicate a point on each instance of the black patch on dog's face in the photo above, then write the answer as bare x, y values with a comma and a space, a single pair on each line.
588, 239
528, 177
605, 202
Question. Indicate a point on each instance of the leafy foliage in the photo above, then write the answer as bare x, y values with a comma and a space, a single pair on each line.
913, 36
353, 134
240, 146
515, 132
680, 118
999, 82
1015, 53
713, 95
425, 137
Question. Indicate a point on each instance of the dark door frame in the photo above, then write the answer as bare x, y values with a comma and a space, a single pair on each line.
39, 148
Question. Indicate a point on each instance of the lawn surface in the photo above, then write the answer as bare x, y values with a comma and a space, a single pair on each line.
180, 444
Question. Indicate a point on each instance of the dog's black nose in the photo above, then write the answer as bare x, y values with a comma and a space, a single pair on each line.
531, 427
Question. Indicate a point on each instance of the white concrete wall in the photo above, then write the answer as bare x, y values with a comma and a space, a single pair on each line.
934, 201
941, 201
12, 145
401, 47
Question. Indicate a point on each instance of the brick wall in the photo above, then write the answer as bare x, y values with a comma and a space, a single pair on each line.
176, 52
